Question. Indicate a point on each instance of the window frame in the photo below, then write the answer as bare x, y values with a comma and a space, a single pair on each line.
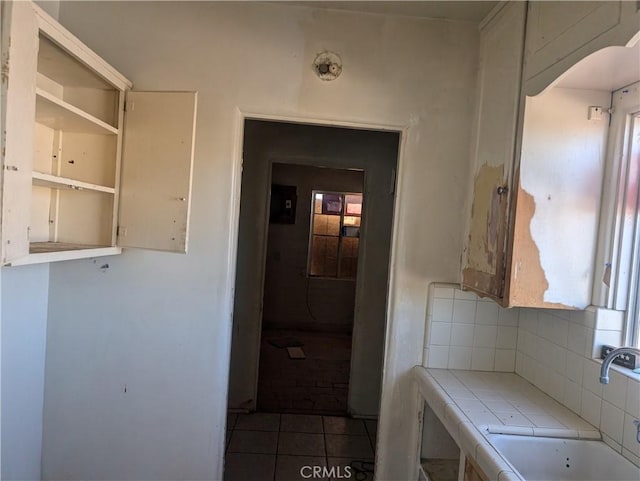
617, 279
312, 215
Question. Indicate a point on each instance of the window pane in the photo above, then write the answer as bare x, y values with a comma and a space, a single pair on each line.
324, 256
326, 225
317, 204
353, 204
332, 204
349, 259
351, 221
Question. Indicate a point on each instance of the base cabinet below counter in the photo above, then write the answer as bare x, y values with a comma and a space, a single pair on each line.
472, 471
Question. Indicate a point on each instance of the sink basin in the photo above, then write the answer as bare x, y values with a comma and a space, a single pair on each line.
556, 459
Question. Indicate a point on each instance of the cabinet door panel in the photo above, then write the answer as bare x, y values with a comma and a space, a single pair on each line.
501, 46
560, 34
157, 164
19, 64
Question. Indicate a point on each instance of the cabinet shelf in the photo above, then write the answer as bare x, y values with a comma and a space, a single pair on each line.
60, 115
56, 182
40, 252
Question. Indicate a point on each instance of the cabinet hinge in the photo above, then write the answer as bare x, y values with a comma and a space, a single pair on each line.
129, 106
121, 231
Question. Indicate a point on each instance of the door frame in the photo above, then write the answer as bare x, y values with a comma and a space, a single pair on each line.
241, 117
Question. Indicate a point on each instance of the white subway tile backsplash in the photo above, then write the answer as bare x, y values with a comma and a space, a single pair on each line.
438, 357
440, 334
577, 338
630, 433
631, 456
528, 320
609, 320
442, 310
553, 349
545, 326
464, 312
485, 336
633, 397
507, 337
505, 360
574, 368
487, 313
443, 292
590, 351
459, 358
611, 421
560, 330
556, 386
462, 335
616, 391
591, 377
558, 359
572, 397
459, 320
482, 358
591, 407
613, 444
508, 317
602, 338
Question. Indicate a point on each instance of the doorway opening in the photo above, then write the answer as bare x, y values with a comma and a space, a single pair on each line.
289, 266
312, 274
309, 289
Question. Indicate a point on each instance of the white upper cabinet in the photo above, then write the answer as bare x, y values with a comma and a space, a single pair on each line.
539, 156
78, 169
560, 34
158, 151
501, 45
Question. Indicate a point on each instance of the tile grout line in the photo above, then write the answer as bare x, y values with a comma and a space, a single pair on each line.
324, 439
275, 462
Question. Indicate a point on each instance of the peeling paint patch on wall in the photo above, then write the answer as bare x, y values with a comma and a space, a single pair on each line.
487, 216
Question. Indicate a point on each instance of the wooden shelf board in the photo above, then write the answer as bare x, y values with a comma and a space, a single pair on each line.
55, 182
41, 252
60, 115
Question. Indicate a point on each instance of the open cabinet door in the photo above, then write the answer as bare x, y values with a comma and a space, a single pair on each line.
157, 164
19, 64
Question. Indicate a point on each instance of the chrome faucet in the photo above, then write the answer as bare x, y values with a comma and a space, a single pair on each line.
604, 370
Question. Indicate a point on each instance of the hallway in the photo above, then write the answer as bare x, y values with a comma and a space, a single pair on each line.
275, 447
317, 384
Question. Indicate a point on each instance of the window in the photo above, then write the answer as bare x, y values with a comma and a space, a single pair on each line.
620, 219
335, 234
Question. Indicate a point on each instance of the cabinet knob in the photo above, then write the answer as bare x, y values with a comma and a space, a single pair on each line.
503, 189
182, 199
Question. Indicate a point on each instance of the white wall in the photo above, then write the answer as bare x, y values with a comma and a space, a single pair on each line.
23, 333
161, 324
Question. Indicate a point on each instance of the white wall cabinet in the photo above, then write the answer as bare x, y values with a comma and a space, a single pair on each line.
499, 79
534, 245
84, 176
560, 34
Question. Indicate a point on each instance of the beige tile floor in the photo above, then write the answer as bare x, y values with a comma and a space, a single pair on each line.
274, 447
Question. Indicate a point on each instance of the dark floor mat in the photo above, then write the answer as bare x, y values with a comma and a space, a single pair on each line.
282, 342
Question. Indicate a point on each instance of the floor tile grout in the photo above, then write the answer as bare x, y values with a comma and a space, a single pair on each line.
233, 429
